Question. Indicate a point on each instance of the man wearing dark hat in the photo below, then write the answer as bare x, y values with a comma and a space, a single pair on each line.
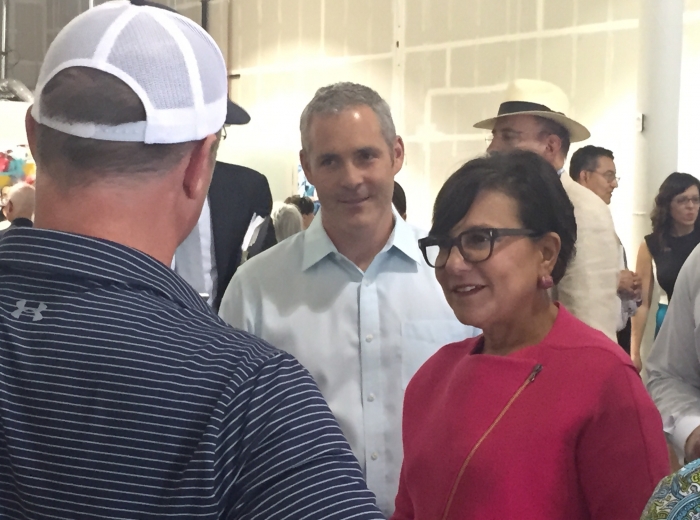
533, 118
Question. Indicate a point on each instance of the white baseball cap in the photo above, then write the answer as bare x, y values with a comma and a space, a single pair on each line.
172, 64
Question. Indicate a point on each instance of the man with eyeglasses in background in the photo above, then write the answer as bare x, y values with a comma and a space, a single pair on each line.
593, 167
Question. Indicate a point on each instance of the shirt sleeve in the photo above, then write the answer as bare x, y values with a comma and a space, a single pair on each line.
621, 453
673, 368
289, 455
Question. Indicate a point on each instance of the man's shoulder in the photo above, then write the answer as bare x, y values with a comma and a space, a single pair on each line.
282, 259
218, 344
590, 210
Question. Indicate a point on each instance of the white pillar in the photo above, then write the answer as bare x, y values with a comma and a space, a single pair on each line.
658, 98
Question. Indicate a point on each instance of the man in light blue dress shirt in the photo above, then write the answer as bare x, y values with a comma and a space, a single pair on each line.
351, 297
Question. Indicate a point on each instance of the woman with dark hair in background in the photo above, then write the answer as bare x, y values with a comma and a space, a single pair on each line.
541, 416
305, 206
674, 235
399, 200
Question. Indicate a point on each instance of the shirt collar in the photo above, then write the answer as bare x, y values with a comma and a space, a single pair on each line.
42, 250
317, 244
561, 171
22, 222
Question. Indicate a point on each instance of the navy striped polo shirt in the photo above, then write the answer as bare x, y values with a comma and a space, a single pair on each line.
123, 396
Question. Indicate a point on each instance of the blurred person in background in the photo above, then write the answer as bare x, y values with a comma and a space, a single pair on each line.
594, 168
533, 117
286, 220
673, 365
542, 416
399, 200
3, 199
675, 233
306, 207
18, 207
351, 297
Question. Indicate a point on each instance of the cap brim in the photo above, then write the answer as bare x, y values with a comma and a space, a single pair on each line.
235, 115
577, 132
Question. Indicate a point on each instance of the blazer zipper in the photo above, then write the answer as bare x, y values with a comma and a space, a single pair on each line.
530, 379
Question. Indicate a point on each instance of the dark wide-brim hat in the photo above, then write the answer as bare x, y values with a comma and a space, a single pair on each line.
537, 98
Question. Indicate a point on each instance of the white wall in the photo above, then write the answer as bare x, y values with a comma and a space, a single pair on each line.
441, 64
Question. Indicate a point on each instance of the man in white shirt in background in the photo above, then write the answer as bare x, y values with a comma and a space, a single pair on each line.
533, 117
351, 297
673, 365
593, 167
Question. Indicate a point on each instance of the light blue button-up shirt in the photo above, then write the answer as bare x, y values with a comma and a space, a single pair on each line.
362, 335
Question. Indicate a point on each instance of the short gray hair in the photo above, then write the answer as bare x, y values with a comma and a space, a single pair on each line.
335, 98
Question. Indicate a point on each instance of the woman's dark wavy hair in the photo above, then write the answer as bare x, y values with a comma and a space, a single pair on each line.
543, 204
661, 219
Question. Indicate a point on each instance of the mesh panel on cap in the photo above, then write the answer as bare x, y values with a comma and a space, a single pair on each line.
148, 53
212, 88
154, 51
67, 46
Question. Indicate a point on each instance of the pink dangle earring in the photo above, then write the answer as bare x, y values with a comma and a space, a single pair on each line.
545, 282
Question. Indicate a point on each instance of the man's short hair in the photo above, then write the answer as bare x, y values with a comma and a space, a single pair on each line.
586, 159
550, 127
338, 97
81, 94
304, 204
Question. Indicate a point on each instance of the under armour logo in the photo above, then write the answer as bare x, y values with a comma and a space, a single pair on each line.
22, 308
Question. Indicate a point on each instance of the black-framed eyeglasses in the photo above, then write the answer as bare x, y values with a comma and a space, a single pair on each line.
475, 245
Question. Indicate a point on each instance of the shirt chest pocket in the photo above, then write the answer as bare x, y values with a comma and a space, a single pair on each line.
421, 339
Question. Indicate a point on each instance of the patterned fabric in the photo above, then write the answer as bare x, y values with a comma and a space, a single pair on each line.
677, 497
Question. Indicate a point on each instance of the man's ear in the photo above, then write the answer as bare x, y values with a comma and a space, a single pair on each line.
553, 143
199, 167
8, 209
30, 125
584, 177
305, 162
398, 154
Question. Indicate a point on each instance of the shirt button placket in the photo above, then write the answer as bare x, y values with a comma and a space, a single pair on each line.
370, 352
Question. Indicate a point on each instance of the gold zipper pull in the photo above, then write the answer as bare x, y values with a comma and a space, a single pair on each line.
535, 371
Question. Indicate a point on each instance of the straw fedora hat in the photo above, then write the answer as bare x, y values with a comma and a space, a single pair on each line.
537, 98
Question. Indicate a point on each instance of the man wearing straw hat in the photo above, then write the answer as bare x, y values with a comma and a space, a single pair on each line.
532, 117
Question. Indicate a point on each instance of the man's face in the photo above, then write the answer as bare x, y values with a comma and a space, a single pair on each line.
603, 180
521, 132
352, 167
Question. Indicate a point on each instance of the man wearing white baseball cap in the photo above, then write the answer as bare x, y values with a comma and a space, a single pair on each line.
123, 395
532, 117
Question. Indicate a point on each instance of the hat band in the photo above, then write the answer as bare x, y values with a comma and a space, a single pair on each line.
513, 107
